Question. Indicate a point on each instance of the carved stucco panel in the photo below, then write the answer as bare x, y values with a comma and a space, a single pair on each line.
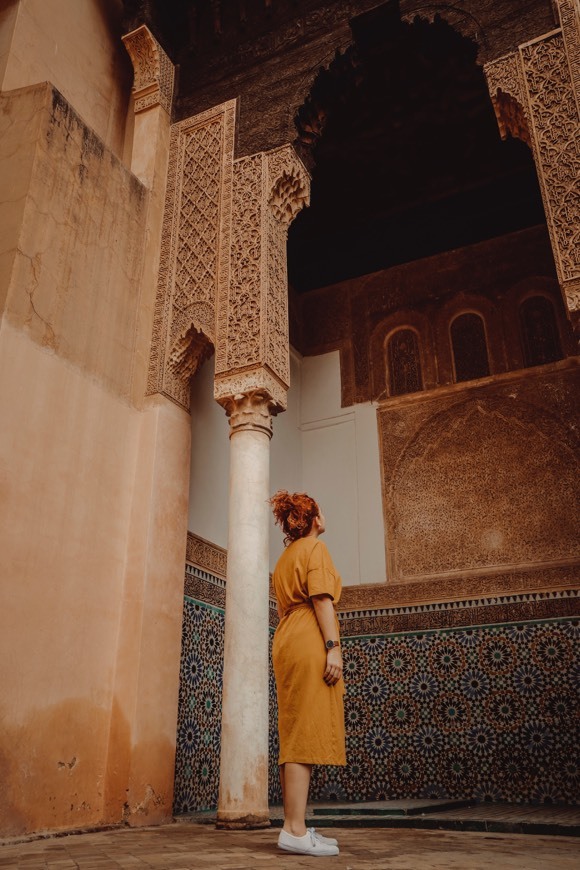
556, 133
154, 73
484, 483
269, 189
535, 93
196, 230
206, 555
570, 21
239, 345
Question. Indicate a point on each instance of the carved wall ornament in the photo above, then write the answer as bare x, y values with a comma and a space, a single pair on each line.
251, 410
506, 84
268, 191
540, 85
483, 481
556, 133
206, 555
154, 74
569, 11
252, 381
195, 248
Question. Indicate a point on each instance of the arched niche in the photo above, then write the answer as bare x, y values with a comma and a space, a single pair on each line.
403, 322
469, 350
535, 286
468, 304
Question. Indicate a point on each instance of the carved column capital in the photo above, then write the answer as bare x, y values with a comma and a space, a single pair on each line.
154, 73
249, 411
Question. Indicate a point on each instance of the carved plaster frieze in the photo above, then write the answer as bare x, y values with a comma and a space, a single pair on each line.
206, 555
556, 132
569, 11
154, 74
269, 189
195, 245
535, 93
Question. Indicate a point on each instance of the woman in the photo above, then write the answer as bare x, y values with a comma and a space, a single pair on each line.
307, 665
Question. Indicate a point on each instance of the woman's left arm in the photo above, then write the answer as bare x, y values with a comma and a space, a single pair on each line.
324, 610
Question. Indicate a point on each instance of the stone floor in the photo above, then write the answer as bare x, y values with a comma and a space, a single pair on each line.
189, 846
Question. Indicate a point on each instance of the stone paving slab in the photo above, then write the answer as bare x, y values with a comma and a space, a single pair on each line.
189, 846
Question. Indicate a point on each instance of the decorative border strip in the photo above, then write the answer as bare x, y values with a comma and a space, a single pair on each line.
207, 556
209, 589
465, 614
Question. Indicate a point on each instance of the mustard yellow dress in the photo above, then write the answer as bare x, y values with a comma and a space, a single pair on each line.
310, 713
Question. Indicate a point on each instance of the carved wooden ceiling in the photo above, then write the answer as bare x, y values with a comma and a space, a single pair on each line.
398, 131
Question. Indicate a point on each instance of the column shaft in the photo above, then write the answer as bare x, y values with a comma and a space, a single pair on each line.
243, 795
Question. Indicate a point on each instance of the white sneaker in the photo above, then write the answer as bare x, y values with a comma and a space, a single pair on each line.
330, 841
309, 844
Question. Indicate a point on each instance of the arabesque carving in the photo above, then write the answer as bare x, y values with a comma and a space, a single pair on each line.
269, 189
206, 555
195, 235
569, 11
535, 93
154, 73
556, 133
505, 81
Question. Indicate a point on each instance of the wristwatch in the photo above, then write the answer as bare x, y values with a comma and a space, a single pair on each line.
330, 644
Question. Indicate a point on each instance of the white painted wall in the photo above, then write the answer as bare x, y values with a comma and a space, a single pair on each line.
318, 447
210, 458
340, 469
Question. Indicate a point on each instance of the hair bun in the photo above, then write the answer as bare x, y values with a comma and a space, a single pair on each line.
294, 513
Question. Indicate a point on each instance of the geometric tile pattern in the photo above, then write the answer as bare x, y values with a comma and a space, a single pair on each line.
200, 708
488, 712
491, 713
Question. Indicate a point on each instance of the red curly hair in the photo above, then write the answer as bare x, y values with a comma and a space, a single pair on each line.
294, 513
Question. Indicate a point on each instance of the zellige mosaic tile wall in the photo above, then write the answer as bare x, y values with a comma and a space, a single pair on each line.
490, 712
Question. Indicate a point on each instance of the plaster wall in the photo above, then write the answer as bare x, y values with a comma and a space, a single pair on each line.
67, 454
84, 58
209, 476
92, 488
340, 466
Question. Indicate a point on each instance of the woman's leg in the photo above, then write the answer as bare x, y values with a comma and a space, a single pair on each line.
295, 779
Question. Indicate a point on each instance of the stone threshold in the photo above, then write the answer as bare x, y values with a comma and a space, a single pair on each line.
445, 815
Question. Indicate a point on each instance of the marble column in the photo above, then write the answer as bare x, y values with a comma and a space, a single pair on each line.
243, 794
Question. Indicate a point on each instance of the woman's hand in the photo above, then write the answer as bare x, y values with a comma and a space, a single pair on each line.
333, 671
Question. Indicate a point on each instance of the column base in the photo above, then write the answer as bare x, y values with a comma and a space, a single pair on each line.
232, 821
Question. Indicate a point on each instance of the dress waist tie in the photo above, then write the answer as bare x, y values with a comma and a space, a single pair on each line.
301, 606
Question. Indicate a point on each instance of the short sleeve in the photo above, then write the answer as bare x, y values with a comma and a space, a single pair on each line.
321, 574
